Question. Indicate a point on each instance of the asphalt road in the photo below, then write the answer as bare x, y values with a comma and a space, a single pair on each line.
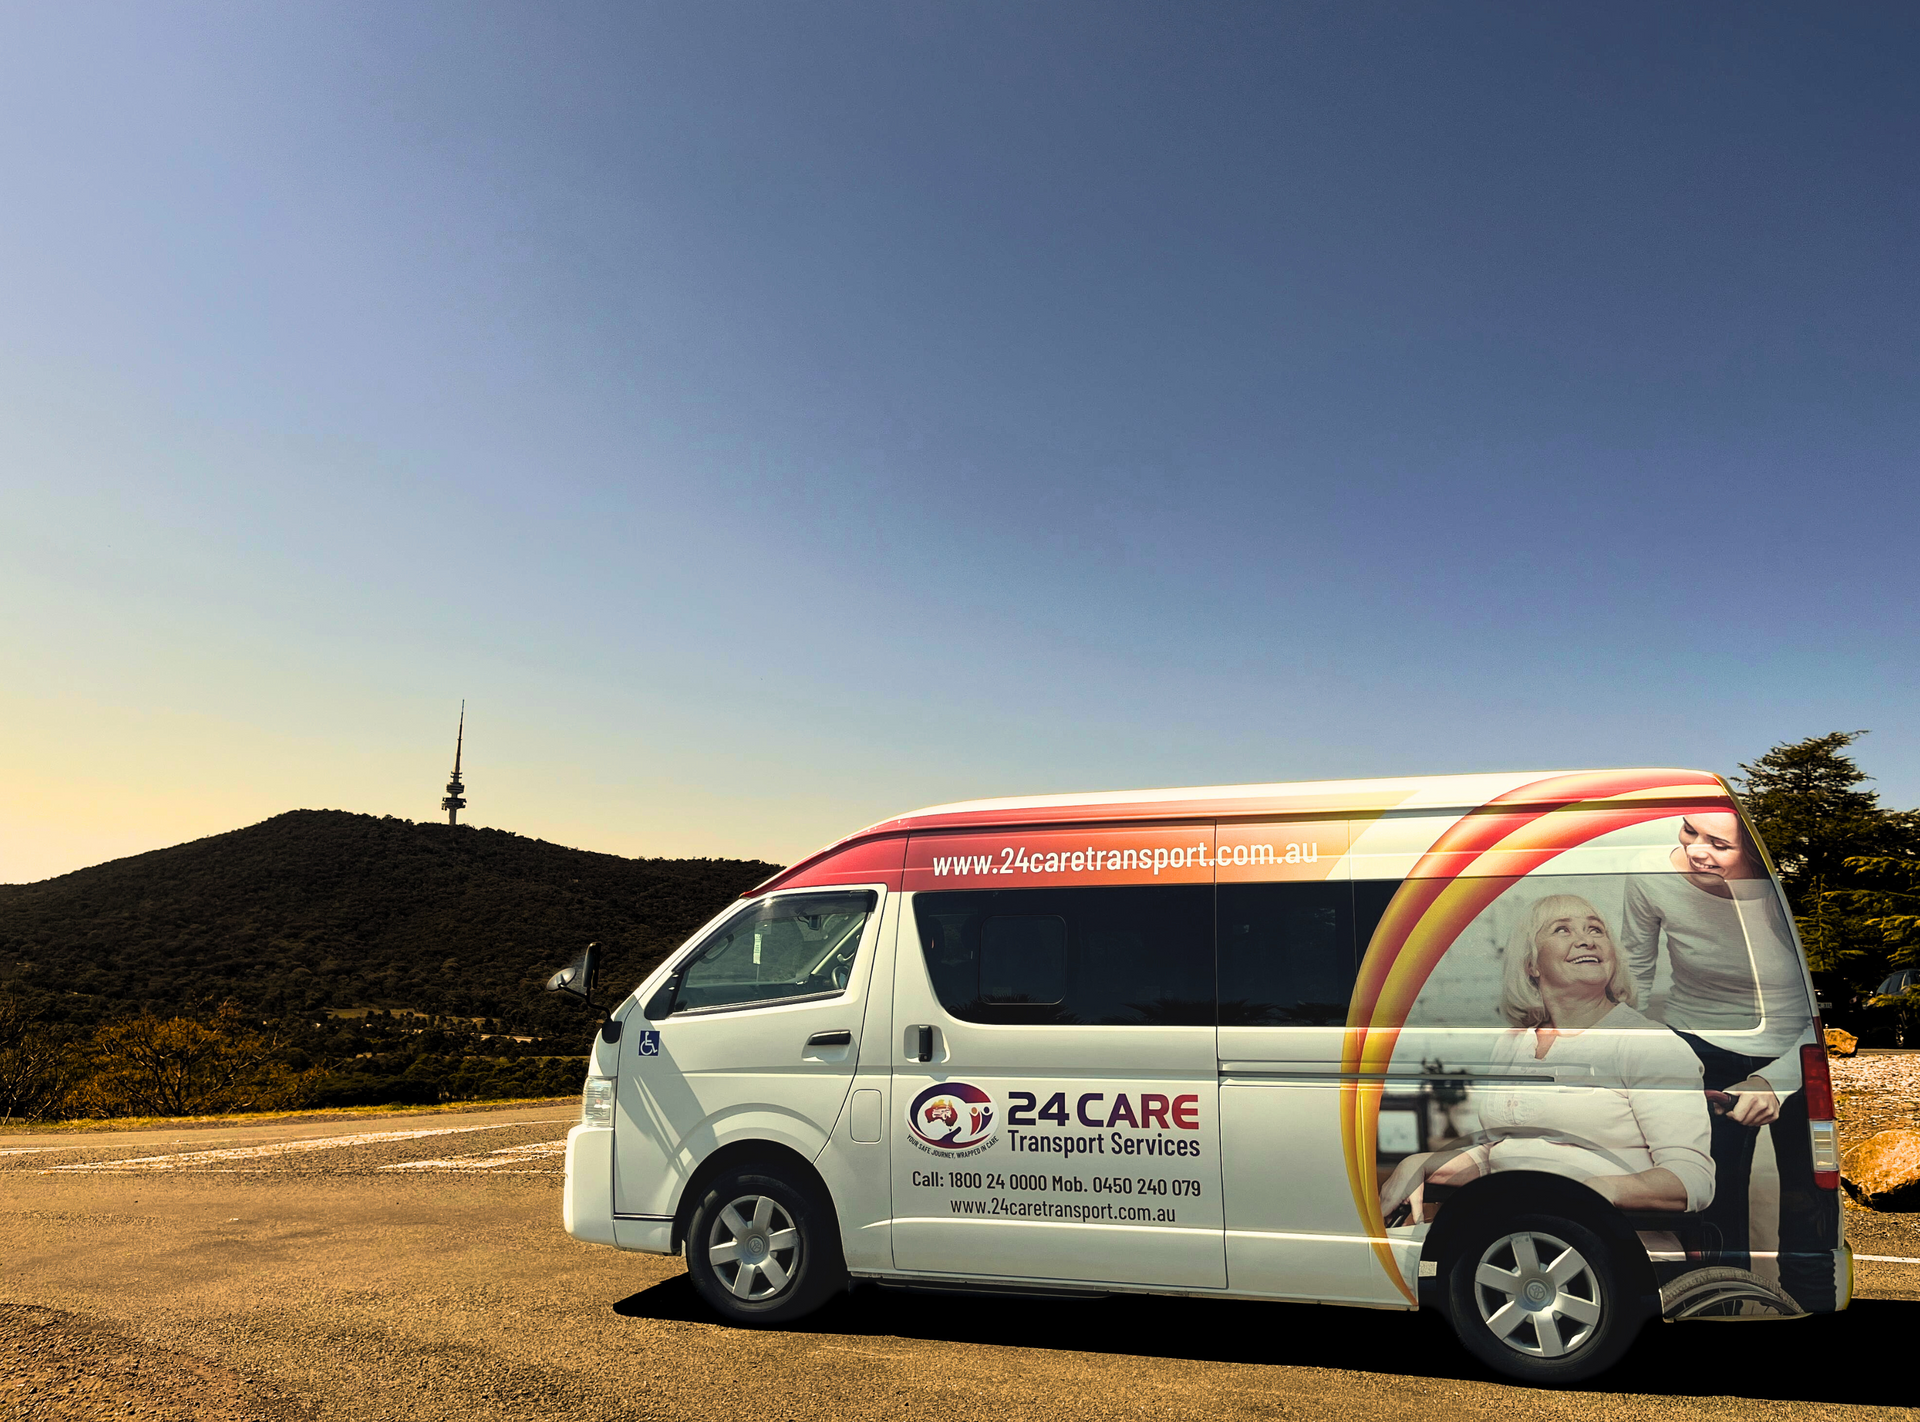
414, 1267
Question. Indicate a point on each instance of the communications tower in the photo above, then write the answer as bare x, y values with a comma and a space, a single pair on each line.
455, 801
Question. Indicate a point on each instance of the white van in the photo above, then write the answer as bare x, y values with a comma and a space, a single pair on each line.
1538, 1051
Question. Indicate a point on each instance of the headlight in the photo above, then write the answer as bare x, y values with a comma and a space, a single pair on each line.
596, 1102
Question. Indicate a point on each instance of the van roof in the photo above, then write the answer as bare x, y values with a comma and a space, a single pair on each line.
1301, 799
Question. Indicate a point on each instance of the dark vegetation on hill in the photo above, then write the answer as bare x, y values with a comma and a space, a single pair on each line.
320, 909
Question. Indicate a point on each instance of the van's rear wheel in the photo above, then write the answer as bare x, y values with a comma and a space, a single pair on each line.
1537, 1297
761, 1250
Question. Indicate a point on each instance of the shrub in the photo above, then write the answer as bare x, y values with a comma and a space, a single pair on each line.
149, 1066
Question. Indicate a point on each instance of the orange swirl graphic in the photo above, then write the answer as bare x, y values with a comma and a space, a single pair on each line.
1475, 860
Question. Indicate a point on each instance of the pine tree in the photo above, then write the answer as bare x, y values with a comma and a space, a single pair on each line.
1890, 904
1831, 840
1804, 798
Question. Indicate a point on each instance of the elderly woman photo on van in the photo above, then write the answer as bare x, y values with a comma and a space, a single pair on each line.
1637, 1132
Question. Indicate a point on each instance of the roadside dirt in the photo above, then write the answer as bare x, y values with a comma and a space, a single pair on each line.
57, 1366
416, 1269
1879, 1090
1875, 1091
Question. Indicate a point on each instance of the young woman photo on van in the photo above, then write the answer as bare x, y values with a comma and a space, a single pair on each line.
1731, 954
1642, 1143
1739, 1002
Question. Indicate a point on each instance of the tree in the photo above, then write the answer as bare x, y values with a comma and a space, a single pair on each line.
36, 1065
1890, 904
1824, 831
1804, 799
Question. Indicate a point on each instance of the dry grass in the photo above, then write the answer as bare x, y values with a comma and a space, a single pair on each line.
258, 1118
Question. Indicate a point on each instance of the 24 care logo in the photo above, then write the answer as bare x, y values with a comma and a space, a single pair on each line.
953, 1118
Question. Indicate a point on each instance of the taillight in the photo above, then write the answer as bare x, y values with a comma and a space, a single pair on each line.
1817, 1082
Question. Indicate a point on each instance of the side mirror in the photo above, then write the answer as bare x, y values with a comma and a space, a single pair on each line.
579, 977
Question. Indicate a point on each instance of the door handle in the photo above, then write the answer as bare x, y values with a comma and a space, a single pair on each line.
842, 1038
920, 1043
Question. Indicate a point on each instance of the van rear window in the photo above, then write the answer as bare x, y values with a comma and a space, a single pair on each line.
1113, 956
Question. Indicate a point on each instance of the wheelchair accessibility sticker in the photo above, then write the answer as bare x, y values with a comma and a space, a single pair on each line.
649, 1044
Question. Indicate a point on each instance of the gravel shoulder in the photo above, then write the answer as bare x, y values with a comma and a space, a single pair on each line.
59, 1366
412, 1276
1875, 1091
1878, 1091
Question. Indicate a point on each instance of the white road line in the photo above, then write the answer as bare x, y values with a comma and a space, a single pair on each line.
466, 1167
506, 1155
1886, 1259
35, 1150
207, 1157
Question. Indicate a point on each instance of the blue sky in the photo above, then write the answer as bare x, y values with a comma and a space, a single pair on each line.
774, 417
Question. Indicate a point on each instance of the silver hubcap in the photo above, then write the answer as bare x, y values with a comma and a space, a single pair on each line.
1537, 1294
753, 1247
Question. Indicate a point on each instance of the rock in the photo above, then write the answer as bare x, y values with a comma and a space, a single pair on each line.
1841, 1042
1883, 1171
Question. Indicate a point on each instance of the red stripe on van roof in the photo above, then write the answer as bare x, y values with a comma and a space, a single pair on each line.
1211, 804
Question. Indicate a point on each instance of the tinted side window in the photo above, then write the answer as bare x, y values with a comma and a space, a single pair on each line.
802, 945
1023, 958
1370, 900
1141, 956
1289, 952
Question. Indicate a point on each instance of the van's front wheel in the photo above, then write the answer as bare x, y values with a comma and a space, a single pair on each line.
1537, 1297
760, 1250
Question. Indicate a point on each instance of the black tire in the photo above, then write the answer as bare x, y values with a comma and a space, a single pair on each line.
762, 1250
1537, 1297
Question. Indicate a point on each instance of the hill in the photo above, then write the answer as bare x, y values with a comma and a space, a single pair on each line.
320, 908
